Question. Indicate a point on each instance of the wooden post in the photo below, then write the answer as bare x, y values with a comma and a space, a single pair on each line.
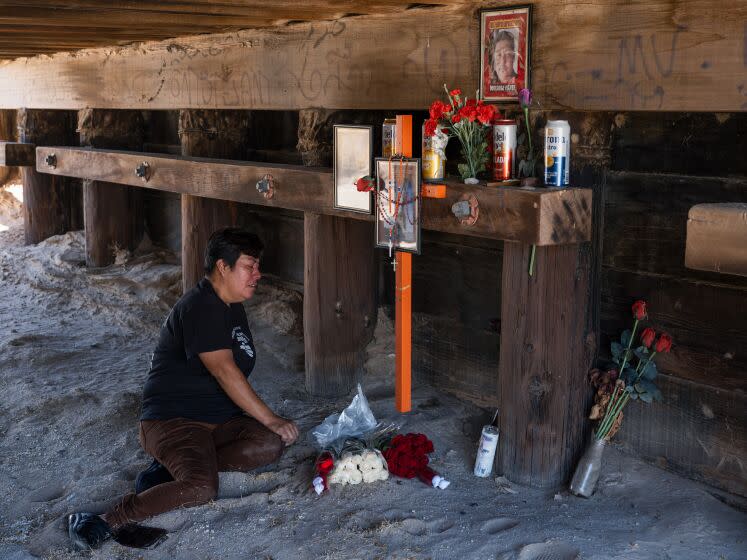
214, 134
113, 215
339, 304
544, 361
49, 202
403, 294
7, 134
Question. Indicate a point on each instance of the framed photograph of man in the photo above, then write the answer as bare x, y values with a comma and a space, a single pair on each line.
505, 37
398, 204
353, 154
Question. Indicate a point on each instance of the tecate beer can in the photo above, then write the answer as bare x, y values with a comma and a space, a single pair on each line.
486, 451
504, 150
557, 153
433, 164
388, 134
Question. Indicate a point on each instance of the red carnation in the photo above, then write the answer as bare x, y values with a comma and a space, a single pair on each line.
639, 310
456, 118
455, 92
485, 114
647, 336
430, 126
664, 344
437, 110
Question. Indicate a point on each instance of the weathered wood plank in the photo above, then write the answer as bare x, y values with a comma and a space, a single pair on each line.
646, 220
707, 321
655, 55
697, 431
544, 357
717, 238
539, 216
17, 153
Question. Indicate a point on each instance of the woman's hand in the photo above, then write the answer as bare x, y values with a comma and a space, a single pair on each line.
286, 429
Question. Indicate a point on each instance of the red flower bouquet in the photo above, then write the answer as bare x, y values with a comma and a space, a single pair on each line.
468, 120
407, 457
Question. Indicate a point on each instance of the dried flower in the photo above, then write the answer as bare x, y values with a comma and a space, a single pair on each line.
647, 337
525, 98
664, 344
639, 310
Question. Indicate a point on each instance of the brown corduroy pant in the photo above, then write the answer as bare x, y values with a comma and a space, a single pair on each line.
194, 452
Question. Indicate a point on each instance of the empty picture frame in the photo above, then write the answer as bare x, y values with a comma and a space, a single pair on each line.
353, 153
398, 202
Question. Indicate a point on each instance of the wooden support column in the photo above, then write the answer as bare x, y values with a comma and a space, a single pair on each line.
7, 134
213, 134
339, 304
49, 202
113, 214
544, 360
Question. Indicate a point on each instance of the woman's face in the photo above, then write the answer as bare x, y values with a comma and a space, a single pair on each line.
503, 60
241, 280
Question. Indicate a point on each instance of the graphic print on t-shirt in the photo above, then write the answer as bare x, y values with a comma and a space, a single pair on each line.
238, 335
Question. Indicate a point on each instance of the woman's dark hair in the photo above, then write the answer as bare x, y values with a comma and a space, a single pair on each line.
229, 244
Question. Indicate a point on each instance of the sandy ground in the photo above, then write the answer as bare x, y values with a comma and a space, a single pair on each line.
74, 351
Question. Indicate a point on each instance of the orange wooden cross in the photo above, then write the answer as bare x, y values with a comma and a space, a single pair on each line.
403, 294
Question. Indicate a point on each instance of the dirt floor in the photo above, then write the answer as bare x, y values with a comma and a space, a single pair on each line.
74, 351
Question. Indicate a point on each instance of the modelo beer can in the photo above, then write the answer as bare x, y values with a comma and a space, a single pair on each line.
486, 451
557, 153
433, 164
504, 150
388, 134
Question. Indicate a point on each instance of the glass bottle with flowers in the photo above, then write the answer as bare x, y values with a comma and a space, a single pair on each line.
467, 120
632, 378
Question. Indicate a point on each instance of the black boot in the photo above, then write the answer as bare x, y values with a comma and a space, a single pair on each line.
87, 530
154, 475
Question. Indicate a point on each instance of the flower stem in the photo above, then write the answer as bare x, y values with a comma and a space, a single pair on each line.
531, 260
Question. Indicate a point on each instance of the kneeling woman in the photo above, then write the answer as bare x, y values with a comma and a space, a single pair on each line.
200, 414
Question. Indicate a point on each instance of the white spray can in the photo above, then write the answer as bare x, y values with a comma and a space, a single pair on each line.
486, 451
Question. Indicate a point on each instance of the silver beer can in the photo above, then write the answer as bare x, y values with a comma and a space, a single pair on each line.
486, 451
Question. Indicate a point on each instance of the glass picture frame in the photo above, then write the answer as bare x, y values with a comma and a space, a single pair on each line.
505, 48
353, 154
398, 185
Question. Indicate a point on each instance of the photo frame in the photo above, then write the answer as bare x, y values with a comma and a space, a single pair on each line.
353, 154
505, 47
398, 184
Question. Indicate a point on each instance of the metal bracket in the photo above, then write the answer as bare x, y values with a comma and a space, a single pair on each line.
51, 160
143, 171
266, 186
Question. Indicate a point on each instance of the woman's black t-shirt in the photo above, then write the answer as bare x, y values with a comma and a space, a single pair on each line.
178, 384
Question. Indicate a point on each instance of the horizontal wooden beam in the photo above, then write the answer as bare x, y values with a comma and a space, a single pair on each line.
538, 216
18, 154
602, 55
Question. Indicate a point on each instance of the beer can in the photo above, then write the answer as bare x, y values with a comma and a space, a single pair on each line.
504, 150
486, 451
557, 153
433, 164
388, 137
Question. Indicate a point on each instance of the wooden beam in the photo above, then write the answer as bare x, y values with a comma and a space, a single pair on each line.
17, 153
628, 56
113, 215
717, 238
49, 203
207, 134
536, 215
544, 360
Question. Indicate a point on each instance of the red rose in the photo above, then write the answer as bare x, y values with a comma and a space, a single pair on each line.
639, 310
664, 344
647, 336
